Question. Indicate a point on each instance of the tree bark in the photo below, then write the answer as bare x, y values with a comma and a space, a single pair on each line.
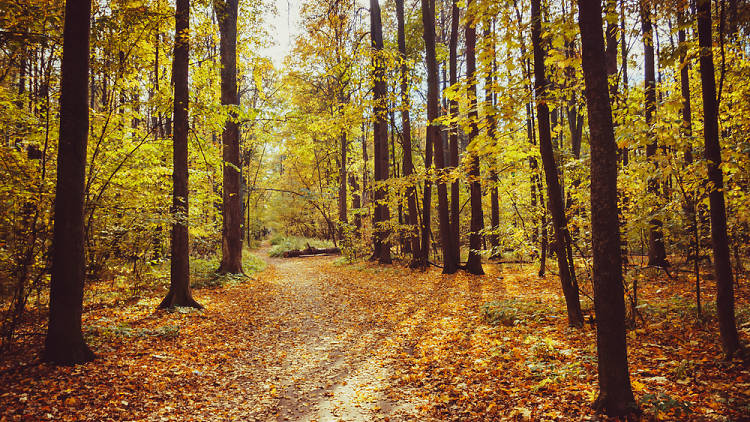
722, 265
64, 343
567, 277
491, 132
231, 239
179, 286
455, 216
657, 254
411, 191
474, 262
615, 393
382, 250
450, 264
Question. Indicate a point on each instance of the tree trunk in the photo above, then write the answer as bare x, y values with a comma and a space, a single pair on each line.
687, 131
382, 250
567, 277
722, 264
474, 263
179, 285
491, 132
450, 265
615, 393
411, 191
64, 343
342, 184
455, 216
231, 239
657, 254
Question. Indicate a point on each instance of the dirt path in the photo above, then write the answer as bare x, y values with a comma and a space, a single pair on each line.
325, 354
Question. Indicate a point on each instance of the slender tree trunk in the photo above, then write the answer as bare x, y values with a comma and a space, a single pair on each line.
657, 254
450, 265
474, 263
231, 239
64, 343
411, 191
356, 202
343, 219
615, 393
491, 132
380, 130
179, 287
722, 264
569, 286
687, 131
455, 216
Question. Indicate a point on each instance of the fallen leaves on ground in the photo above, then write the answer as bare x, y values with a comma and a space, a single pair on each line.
310, 339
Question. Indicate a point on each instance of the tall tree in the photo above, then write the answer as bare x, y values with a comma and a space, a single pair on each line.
411, 191
474, 263
489, 82
179, 284
615, 394
450, 264
64, 343
382, 250
554, 191
657, 254
455, 216
231, 234
722, 265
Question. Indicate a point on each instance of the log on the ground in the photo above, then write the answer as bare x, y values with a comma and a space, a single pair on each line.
309, 251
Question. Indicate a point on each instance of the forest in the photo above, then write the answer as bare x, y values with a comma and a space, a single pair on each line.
421, 210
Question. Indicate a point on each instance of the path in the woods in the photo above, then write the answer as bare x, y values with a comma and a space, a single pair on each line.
325, 362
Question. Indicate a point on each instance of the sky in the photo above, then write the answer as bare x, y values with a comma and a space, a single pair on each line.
283, 27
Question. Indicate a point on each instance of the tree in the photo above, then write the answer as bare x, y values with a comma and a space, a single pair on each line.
489, 82
179, 285
722, 265
382, 250
411, 191
455, 215
450, 264
554, 192
64, 343
657, 254
615, 393
231, 234
474, 263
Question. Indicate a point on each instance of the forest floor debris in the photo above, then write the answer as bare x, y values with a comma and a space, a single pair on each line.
310, 339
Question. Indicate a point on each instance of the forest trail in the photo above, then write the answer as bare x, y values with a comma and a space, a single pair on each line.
312, 339
325, 353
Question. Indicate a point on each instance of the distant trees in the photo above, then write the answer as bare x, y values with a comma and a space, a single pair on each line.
64, 343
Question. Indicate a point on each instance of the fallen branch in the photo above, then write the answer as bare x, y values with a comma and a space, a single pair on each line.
310, 251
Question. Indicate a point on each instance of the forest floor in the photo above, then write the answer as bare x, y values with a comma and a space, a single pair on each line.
316, 339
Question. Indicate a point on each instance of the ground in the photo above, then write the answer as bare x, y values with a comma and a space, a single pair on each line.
318, 339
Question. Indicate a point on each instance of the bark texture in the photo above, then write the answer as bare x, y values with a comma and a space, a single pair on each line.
382, 249
64, 343
615, 393
474, 263
554, 191
450, 264
179, 285
231, 235
722, 265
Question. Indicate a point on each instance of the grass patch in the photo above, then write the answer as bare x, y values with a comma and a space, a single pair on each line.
204, 273
510, 312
